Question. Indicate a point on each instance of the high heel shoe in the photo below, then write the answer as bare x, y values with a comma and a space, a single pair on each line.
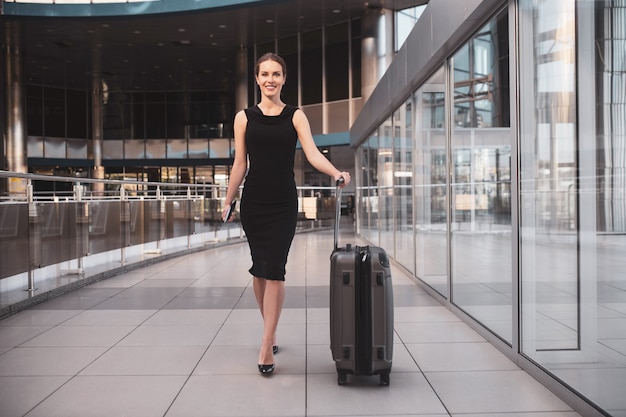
266, 369
275, 349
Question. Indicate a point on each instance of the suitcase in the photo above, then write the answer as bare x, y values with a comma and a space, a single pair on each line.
361, 309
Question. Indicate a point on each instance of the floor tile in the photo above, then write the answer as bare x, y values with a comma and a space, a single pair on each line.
80, 336
171, 336
11, 336
199, 317
38, 318
110, 318
241, 396
451, 332
477, 356
106, 396
493, 392
362, 396
147, 360
20, 394
47, 361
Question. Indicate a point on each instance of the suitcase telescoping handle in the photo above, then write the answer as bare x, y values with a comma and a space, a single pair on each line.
340, 182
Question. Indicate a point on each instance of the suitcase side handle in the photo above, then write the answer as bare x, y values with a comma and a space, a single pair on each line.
338, 184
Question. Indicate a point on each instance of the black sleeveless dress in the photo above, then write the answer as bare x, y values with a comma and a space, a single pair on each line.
269, 202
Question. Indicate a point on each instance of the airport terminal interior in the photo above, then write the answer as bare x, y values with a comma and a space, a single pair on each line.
487, 143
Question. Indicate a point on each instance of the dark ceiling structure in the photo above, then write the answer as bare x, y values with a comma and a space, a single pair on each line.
192, 50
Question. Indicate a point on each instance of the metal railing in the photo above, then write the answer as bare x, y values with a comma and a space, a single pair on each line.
54, 226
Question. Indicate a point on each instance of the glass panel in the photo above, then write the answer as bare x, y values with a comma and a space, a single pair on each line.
198, 148
339, 120
385, 185
76, 149
549, 239
431, 241
155, 148
481, 242
403, 186
311, 67
35, 147
368, 191
134, 149
219, 148
114, 149
337, 62
54, 112
355, 29
288, 49
177, 148
573, 202
315, 116
54, 148
34, 110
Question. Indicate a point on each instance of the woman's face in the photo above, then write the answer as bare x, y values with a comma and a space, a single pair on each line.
270, 78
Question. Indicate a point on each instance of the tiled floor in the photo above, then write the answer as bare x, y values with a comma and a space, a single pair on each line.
180, 339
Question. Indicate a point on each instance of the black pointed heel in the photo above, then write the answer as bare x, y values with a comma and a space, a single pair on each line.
266, 369
275, 349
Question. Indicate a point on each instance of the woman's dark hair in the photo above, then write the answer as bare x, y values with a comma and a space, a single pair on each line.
270, 56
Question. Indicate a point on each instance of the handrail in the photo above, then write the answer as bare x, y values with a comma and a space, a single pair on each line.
51, 233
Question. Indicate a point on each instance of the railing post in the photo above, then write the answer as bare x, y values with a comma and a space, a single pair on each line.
124, 226
80, 229
160, 222
189, 217
34, 235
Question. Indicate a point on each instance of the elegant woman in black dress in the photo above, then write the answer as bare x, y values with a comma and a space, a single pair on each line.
266, 136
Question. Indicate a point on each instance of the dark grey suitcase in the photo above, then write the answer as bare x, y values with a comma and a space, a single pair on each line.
361, 310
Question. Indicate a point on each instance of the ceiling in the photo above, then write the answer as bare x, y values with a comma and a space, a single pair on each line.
165, 52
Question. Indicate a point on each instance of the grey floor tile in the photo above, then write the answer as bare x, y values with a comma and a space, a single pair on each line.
110, 318
157, 282
240, 335
363, 396
184, 303
477, 356
147, 360
229, 360
319, 360
318, 334
106, 396
48, 361
240, 360
20, 394
80, 336
423, 314
38, 318
11, 336
436, 332
198, 317
191, 335
241, 396
547, 414
318, 316
493, 392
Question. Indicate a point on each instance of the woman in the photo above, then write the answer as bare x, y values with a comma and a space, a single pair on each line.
266, 134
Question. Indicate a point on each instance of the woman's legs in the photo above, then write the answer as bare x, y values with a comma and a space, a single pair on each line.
270, 296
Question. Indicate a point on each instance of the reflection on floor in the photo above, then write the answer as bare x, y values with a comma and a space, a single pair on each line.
180, 338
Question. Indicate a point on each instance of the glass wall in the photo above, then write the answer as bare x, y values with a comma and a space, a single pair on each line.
431, 188
553, 291
403, 185
480, 217
573, 172
385, 185
367, 189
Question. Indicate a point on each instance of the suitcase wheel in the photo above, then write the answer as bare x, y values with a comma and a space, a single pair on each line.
342, 378
384, 379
